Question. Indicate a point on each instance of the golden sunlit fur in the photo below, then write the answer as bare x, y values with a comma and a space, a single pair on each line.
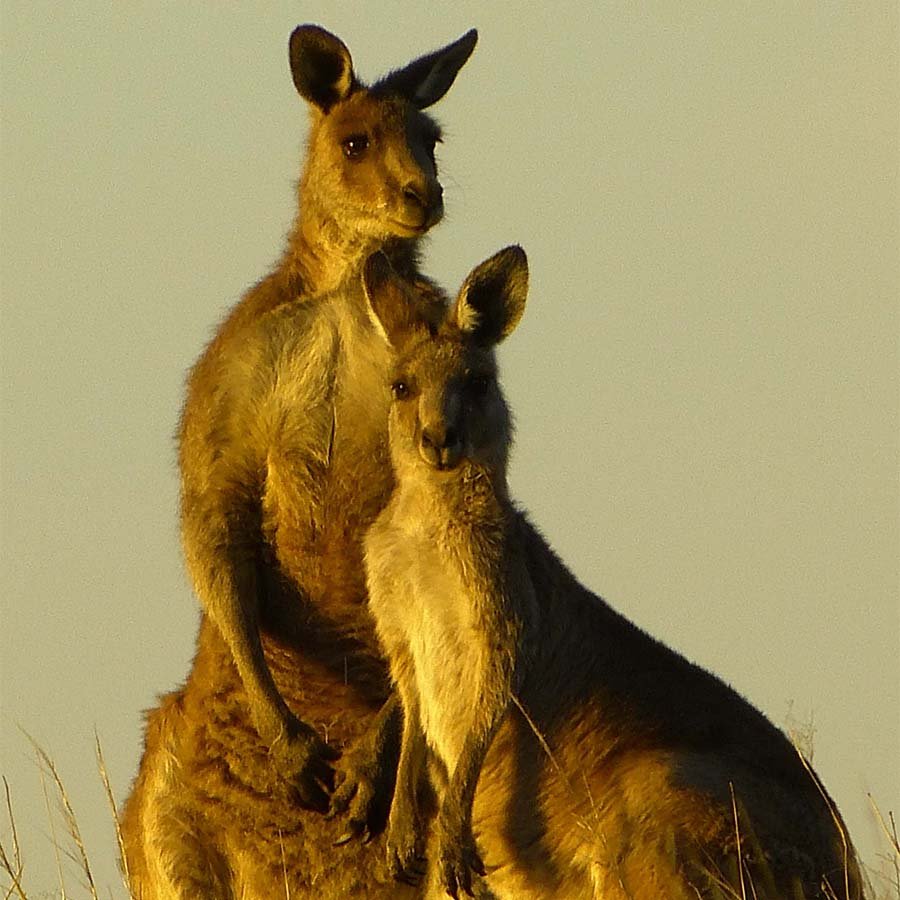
583, 759
283, 465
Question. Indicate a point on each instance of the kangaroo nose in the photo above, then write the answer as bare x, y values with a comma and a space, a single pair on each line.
428, 198
416, 194
440, 448
438, 437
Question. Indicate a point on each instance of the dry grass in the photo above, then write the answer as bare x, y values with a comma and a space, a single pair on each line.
111, 800
891, 858
12, 865
70, 848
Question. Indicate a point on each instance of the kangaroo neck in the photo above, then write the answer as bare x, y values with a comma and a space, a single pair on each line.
322, 254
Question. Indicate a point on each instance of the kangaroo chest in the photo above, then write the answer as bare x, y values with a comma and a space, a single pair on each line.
328, 471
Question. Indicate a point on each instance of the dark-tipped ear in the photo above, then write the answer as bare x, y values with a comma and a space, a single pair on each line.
391, 305
492, 299
320, 65
425, 80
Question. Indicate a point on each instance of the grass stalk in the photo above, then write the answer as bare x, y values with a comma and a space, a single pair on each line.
12, 865
79, 857
111, 801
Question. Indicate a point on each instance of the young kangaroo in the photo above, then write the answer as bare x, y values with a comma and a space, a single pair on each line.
283, 465
606, 765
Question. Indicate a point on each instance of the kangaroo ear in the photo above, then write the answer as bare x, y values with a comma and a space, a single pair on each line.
425, 80
492, 299
391, 307
320, 65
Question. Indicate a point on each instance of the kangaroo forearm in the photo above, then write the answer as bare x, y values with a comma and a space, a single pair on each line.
230, 589
270, 711
380, 745
464, 781
412, 746
501, 678
386, 730
411, 765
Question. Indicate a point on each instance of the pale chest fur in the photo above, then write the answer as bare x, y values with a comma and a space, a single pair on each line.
327, 466
419, 594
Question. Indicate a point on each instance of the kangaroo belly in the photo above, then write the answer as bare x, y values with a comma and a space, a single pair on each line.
447, 657
448, 676
422, 611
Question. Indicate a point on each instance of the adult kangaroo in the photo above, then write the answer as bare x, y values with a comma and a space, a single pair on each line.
582, 758
282, 449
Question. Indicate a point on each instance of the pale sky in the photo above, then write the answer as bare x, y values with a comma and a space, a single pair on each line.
705, 381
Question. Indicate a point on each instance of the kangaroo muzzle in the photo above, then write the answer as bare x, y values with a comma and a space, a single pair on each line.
425, 201
440, 447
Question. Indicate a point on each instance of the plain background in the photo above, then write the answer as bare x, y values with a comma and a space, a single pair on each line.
705, 382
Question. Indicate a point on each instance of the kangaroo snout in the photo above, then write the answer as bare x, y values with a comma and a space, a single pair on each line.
425, 201
440, 447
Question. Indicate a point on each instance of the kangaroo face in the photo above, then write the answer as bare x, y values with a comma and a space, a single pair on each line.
371, 149
372, 157
447, 406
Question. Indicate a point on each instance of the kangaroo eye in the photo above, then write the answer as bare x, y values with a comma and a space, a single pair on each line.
400, 390
355, 145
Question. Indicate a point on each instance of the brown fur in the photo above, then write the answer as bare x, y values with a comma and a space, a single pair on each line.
606, 765
284, 463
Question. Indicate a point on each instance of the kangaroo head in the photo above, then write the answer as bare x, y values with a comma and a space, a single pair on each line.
447, 404
370, 169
